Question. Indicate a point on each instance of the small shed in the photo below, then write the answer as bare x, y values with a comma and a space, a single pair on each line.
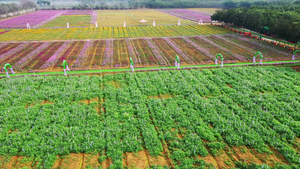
143, 21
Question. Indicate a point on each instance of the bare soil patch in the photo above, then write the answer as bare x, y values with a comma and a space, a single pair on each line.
223, 160
23, 162
210, 160
244, 154
7, 162
137, 160
72, 161
91, 160
57, 163
106, 163
159, 160
270, 159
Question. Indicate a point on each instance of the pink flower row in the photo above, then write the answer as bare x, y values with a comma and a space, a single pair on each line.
28, 58
20, 47
2, 44
48, 20
78, 12
108, 53
188, 14
31, 18
54, 57
94, 17
239, 57
264, 46
156, 52
202, 50
233, 43
82, 55
179, 51
131, 51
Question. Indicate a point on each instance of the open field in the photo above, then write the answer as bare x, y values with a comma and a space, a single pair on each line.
109, 32
133, 17
187, 14
99, 54
73, 20
219, 118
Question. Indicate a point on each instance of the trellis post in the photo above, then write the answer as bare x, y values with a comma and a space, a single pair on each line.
11, 69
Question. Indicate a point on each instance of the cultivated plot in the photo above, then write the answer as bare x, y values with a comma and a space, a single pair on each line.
218, 118
205, 10
133, 18
116, 53
73, 20
109, 32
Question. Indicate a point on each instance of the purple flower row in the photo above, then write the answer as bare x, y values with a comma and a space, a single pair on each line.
202, 50
3, 32
2, 44
20, 47
264, 46
28, 58
31, 18
54, 57
189, 14
156, 53
94, 17
172, 44
78, 12
82, 55
233, 43
48, 20
238, 57
131, 51
108, 53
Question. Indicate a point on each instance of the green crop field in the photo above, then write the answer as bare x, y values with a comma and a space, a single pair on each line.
194, 94
194, 118
73, 20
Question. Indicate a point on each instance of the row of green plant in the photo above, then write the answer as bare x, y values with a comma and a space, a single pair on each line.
180, 115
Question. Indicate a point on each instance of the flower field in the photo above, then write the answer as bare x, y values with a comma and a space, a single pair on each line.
102, 114
34, 18
109, 53
187, 14
109, 32
218, 118
133, 18
205, 10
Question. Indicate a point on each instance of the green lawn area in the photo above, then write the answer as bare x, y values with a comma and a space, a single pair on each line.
74, 21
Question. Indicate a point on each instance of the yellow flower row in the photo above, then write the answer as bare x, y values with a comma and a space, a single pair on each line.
109, 32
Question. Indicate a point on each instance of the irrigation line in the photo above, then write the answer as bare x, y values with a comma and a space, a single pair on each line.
154, 68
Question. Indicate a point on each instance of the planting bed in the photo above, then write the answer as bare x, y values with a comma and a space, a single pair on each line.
205, 10
108, 32
73, 20
86, 55
133, 17
187, 14
218, 118
34, 19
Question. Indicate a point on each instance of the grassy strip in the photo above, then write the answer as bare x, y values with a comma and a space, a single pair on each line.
289, 62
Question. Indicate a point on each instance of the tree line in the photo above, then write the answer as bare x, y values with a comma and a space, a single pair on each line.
126, 4
278, 21
13, 7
